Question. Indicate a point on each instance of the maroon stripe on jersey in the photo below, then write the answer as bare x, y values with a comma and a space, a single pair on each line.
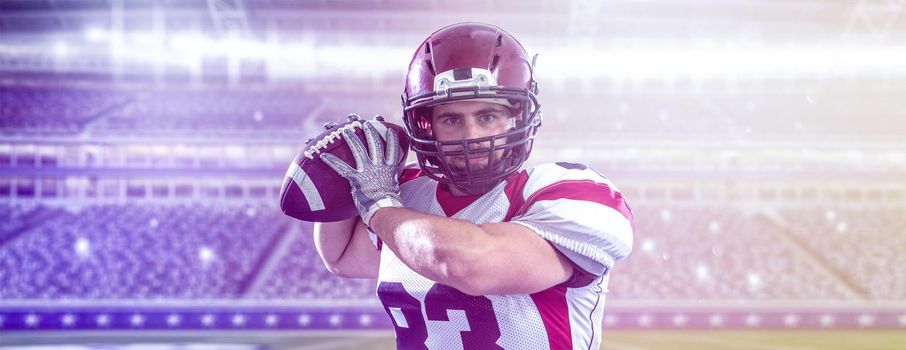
551, 304
583, 190
453, 204
409, 174
513, 190
580, 277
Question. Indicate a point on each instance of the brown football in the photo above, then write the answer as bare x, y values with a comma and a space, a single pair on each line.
311, 190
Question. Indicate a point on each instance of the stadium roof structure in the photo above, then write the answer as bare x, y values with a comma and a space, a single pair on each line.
877, 19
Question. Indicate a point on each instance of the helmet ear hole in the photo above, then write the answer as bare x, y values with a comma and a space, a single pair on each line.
430, 67
423, 120
425, 126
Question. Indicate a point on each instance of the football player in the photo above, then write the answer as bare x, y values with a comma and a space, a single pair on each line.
470, 250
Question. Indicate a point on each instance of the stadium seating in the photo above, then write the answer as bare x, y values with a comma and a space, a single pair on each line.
864, 245
717, 254
139, 252
300, 274
692, 253
209, 112
57, 110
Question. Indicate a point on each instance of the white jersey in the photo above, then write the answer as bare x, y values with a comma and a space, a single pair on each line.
573, 207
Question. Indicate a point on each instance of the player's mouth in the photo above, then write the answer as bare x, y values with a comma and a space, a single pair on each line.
472, 158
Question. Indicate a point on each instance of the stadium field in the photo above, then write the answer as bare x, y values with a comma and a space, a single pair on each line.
613, 340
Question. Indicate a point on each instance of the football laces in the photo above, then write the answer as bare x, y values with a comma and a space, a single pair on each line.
319, 146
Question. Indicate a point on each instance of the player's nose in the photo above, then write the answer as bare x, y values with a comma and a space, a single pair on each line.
472, 130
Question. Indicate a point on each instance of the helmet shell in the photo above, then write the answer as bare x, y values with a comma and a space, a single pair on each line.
469, 61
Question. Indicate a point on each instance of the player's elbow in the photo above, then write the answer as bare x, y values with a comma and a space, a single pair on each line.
462, 270
333, 267
341, 270
462, 277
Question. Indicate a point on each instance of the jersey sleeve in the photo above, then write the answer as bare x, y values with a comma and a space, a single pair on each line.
580, 213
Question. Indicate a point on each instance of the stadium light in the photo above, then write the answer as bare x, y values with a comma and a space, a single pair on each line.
841, 227
754, 280
68, 320
82, 247
205, 254
271, 320
648, 61
60, 49
94, 34
32, 320
173, 320
207, 320
102, 320
303, 320
866, 320
701, 271
137, 320
648, 246
826, 320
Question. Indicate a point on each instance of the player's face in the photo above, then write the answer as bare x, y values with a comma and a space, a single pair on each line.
463, 120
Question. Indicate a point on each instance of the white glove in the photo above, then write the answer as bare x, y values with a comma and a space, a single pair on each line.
375, 179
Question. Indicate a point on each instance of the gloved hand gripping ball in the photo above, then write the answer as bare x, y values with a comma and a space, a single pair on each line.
312, 191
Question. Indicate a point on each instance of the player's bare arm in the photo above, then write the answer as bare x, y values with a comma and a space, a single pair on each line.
498, 258
474, 259
346, 249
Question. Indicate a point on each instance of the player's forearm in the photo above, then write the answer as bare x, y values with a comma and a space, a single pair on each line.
442, 249
332, 240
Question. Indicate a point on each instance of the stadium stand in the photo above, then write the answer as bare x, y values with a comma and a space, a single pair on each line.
693, 253
140, 252
58, 110
300, 274
861, 245
717, 253
210, 112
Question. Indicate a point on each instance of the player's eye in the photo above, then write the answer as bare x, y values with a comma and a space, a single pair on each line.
487, 118
450, 121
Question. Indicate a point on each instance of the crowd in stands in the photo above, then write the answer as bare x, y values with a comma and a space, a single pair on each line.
682, 253
862, 245
717, 253
299, 273
14, 218
55, 109
139, 252
214, 111
721, 118
210, 112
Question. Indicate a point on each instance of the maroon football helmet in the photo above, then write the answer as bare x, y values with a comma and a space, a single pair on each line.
471, 61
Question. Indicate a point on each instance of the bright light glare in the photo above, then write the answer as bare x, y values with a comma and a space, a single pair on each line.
648, 245
82, 247
754, 280
96, 34
205, 254
60, 49
701, 272
665, 215
650, 62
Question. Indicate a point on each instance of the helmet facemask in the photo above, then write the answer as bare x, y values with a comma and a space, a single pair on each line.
504, 152
471, 62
